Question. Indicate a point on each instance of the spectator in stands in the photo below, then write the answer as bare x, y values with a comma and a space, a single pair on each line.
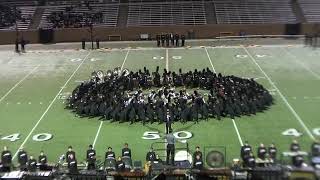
294, 147
110, 153
272, 151
262, 152
91, 158
198, 163
8, 16
6, 159
42, 160
197, 153
151, 155
73, 19
245, 151
72, 164
120, 165
126, 151
32, 164
70, 153
22, 159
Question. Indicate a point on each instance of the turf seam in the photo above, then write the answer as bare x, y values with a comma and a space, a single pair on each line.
50, 105
281, 95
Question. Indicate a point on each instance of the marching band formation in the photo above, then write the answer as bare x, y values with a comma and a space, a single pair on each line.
120, 95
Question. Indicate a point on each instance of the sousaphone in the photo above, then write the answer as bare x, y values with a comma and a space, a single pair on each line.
125, 72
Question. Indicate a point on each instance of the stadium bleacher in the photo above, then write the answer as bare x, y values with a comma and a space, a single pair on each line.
310, 9
166, 13
24, 16
104, 15
253, 11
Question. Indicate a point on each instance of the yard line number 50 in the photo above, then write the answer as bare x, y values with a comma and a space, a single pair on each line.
38, 137
152, 135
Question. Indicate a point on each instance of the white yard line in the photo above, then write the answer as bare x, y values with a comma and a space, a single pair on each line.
125, 59
99, 129
234, 123
237, 131
50, 105
97, 134
17, 84
302, 64
167, 59
210, 60
281, 95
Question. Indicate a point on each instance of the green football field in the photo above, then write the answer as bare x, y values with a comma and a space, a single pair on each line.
34, 85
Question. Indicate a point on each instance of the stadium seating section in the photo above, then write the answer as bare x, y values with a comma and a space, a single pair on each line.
75, 13
311, 9
253, 11
81, 15
24, 17
168, 13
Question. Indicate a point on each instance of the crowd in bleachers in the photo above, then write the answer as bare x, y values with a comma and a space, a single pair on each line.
71, 19
7, 16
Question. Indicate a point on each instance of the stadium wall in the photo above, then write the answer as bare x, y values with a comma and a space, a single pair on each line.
133, 33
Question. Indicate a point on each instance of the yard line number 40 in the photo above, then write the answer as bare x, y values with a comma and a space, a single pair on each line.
296, 133
38, 137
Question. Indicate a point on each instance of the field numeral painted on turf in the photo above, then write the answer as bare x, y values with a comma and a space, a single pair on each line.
316, 131
161, 57
291, 132
76, 60
242, 56
153, 135
64, 95
12, 137
38, 137
296, 133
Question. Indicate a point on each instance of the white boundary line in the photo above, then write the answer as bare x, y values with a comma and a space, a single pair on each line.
17, 84
301, 63
48, 108
281, 95
233, 121
101, 122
